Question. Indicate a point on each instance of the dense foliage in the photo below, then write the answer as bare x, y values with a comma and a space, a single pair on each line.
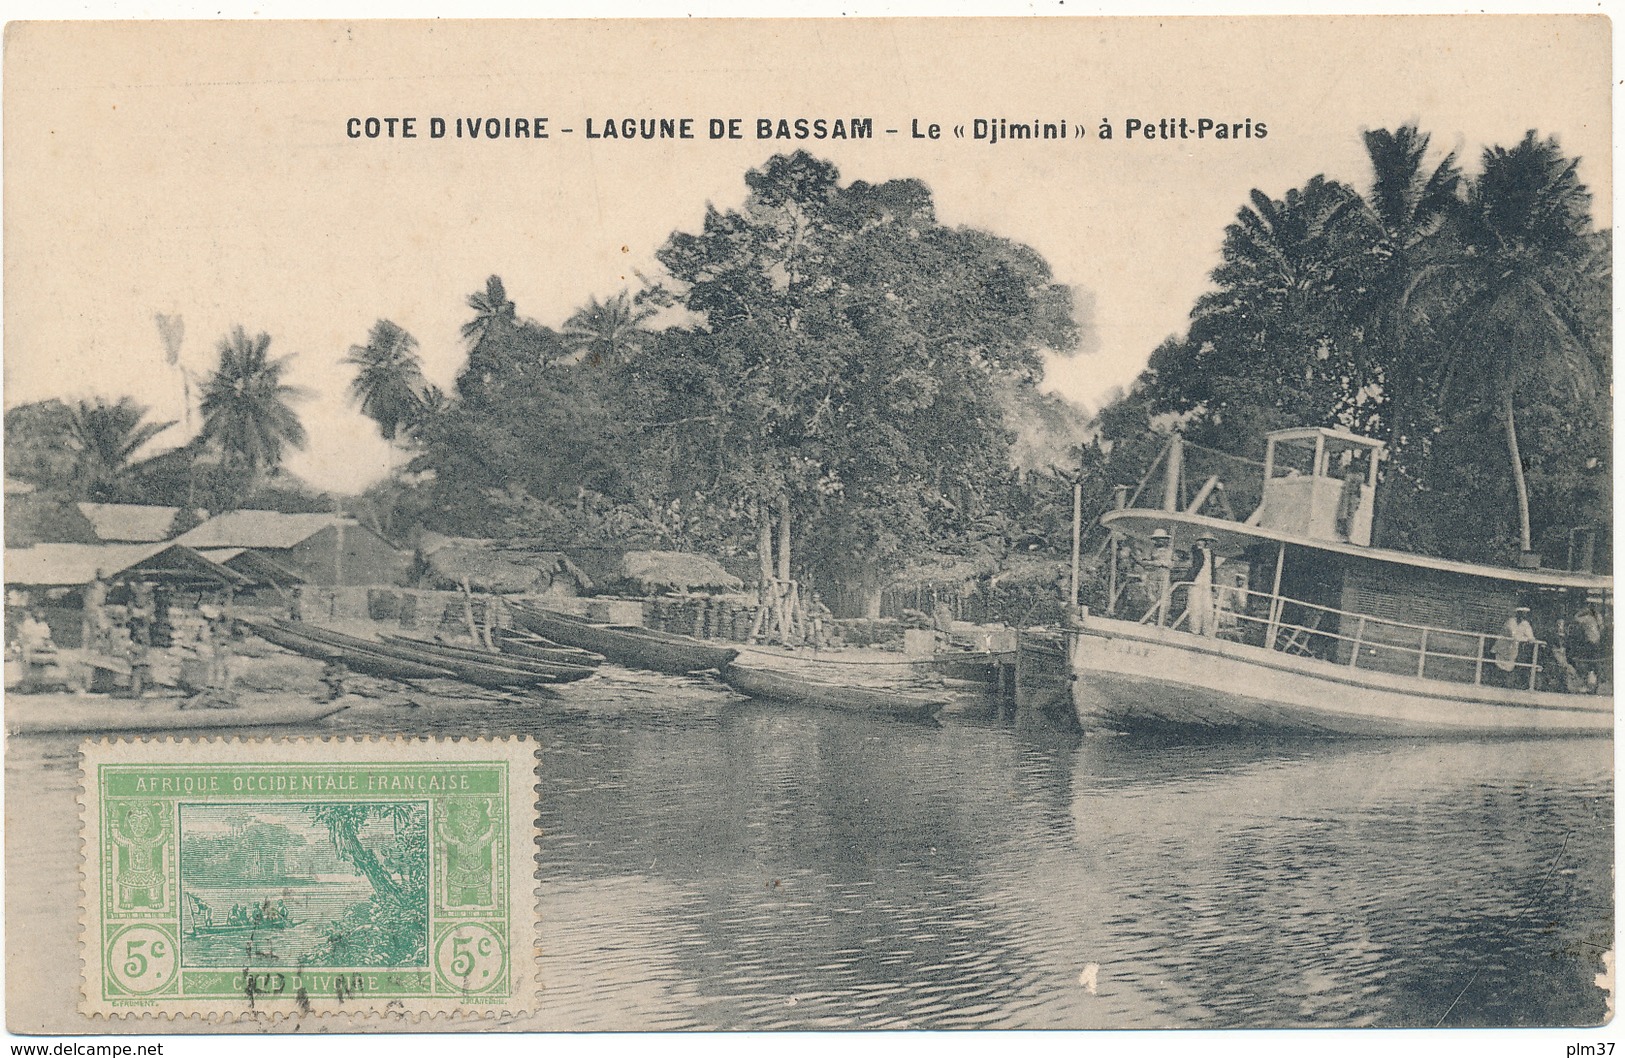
1464, 320
836, 367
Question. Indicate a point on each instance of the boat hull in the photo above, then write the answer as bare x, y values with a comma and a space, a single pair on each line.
634, 648
559, 671
778, 686
526, 645
368, 655
1132, 677
71, 714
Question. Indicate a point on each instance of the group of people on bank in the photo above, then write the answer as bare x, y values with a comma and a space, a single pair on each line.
122, 637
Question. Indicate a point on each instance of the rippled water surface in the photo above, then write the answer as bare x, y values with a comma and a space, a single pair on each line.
714, 863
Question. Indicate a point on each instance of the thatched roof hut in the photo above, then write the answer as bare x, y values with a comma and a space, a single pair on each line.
1032, 571
495, 568
684, 571
936, 569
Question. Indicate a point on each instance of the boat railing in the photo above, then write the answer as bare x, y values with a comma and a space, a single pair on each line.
1354, 640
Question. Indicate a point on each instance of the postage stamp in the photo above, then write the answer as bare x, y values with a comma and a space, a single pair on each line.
309, 878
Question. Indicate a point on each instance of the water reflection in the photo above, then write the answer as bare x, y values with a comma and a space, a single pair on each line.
714, 863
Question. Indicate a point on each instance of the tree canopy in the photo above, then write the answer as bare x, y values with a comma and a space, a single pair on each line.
1434, 310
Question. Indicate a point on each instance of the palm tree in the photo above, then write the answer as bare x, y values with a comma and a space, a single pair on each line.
1409, 207
493, 313
607, 332
1259, 341
1524, 237
105, 438
247, 407
389, 384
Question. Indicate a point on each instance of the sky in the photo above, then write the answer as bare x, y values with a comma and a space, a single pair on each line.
204, 169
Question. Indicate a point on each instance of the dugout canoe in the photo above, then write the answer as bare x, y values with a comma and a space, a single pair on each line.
638, 648
353, 656
48, 714
522, 644
566, 673
367, 655
802, 690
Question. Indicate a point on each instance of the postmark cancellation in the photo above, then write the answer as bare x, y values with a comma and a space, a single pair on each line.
308, 878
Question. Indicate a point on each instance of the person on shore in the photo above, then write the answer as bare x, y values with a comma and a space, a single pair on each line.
1514, 648
93, 626
216, 648
139, 616
37, 649
296, 603
1159, 569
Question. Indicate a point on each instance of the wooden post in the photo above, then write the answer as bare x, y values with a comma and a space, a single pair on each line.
1359, 634
1534, 663
1111, 583
1275, 598
1422, 655
1478, 669
1077, 535
468, 610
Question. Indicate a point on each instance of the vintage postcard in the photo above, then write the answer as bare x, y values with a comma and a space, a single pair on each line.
1064, 523
307, 877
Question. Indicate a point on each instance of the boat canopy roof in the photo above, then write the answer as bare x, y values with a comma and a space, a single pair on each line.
1232, 538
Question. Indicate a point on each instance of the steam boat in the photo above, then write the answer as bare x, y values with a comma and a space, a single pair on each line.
1286, 619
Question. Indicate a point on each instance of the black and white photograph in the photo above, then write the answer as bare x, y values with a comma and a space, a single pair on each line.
991, 524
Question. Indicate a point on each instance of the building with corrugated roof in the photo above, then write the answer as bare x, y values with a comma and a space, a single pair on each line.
130, 523
330, 550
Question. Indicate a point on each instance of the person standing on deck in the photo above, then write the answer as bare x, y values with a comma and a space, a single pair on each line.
1585, 641
1203, 621
1159, 569
1515, 647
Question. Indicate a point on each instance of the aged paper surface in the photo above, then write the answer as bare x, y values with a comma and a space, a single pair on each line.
793, 338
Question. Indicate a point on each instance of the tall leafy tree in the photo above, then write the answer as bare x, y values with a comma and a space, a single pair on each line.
105, 437
248, 407
389, 384
845, 373
37, 449
1270, 345
607, 332
1517, 317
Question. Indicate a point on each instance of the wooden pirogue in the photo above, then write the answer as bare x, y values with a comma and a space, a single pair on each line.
369, 662
43, 714
364, 655
519, 643
435, 648
638, 648
803, 690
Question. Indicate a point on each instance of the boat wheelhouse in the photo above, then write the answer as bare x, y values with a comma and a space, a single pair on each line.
1254, 600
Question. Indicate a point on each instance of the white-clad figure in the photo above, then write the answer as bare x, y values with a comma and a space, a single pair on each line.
1203, 621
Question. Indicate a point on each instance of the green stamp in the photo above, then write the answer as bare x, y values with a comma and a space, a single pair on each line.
307, 878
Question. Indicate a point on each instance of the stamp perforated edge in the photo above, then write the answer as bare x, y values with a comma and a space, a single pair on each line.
522, 751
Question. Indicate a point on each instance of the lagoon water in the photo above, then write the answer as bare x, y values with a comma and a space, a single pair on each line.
713, 863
